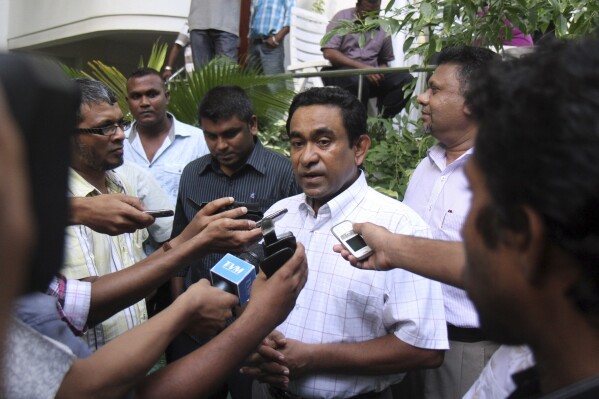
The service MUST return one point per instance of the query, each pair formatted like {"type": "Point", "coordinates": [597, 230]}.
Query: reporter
{"type": "Point", "coordinates": [439, 260]}
{"type": "Point", "coordinates": [111, 214]}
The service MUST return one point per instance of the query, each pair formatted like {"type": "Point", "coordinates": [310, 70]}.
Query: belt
{"type": "Point", "coordinates": [260, 39]}
{"type": "Point", "coordinates": [464, 334]}
{"type": "Point", "coordinates": [278, 393]}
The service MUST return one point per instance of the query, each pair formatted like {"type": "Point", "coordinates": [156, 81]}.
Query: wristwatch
{"type": "Point", "coordinates": [168, 68]}
{"type": "Point", "coordinates": [274, 40]}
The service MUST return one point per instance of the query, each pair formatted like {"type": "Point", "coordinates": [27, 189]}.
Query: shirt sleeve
{"type": "Point", "coordinates": [287, 16]}
{"type": "Point", "coordinates": [34, 365]}
{"type": "Point", "coordinates": [386, 55]}
{"type": "Point", "coordinates": [336, 40]}
{"type": "Point", "coordinates": [74, 299]}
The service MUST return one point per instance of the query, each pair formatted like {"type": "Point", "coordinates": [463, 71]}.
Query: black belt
{"type": "Point", "coordinates": [463, 334]}
{"type": "Point", "coordinates": [278, 393]}
{"type": "Point", "coordinates": [260, 39]}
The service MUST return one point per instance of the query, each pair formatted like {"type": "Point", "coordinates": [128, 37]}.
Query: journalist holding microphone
{"type": "Point", "coordinates": [41, 365]}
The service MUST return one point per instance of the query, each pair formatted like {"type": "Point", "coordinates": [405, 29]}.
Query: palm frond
{"type": "Point", "coordinates": [114, 79]}
{"type": "Point", "coordinates": [187, 94]}
{"type": "Point", "coordinates": [158, 55]}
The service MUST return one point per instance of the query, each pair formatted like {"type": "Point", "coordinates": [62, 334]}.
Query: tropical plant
{"type": "Point", "coordinates": [185, 95]}
{"type": "Point", "coordinates": [429, 25]}
{"type": "Point", "coordinates": [270, 104]}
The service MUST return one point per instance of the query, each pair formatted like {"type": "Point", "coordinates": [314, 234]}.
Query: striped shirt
{"type": "Point", "coordinates": [440, 194]}
{"type": "Point", "coordinates": [265, 178]}
{"type": "Point", "coordinates": [88, 253]}
{"type": "Point", "coordinates": [269, 17]}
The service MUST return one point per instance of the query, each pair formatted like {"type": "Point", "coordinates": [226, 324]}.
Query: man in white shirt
{"type": "Point", "coordinates": [157, 141]}
{"type": "Point", "coordinates": [439, 192]}
{"type": "Point", "coordinates": [352, 333]}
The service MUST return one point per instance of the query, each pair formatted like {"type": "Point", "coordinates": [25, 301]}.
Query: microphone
{"type": "Point", "coordinates": [234, 275]}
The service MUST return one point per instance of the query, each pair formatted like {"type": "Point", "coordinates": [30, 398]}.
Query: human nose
{"type": "Point", "coordinates": [144, 100]}
{"type": "Point", "coordinates": [119, 134]}
{"type": "Point", "coordinates": [221, 144]}
{"type": "Point", "coordinates": [424, 97]}
{"type": "Point", "coordinates": [309, 155]}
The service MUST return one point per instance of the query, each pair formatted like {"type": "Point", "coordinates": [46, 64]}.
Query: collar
{"type": "Point", "coordinates": [256, 160]}
{"type": "Point", "coordinates": [131, 133]}
{"type": "Point", "coordinates": [79, 187]}
{"type": "Point", "coordinates": [345, 200]}
{"type": "Point", "coordinates": [436, 154]}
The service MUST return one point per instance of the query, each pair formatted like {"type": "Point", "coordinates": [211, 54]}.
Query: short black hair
{"type": "Point", "coordinates": [469, 59]}
{"type": "Point", "coordinates": [93, 92]}
{"type": "Point", "coordinates": [538, 146]}
{"type": "Point", "coordinates": [224, 102]}
{"type": "Point", "coordinates": [353, 111]}
{"type": "Point", "coordinates": [144, 71]}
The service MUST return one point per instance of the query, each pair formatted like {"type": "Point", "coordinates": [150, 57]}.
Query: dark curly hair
{"type": "Point", "coordinates": [538, 146]}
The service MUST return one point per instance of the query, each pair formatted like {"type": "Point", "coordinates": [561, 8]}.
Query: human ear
{"type": "Point", "coordinates": [253, 125]}
{"type": "Point", "coordinates": [531, 244]}
{"type": "Point", "coordinates": [361, 148]}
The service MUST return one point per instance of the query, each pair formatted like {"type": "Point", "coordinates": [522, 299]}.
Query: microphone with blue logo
{"type": "Point", "coordinates": [235, 276]}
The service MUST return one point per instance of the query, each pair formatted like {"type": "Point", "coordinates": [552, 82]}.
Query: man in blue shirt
{"type": "Point", "coordinates": [157, 141]}
{"type": "Point", "coordinates": [268, 28]}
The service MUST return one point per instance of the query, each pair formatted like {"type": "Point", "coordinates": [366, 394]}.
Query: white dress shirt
{"type": "Point", "coordinates": [185, 143]}
{"type": "Point", "coordinates": [440, 194]}
{"type": "Point", "coordinates": [343, 304]}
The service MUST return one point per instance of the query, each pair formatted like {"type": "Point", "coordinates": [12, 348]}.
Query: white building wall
{"type": "Point", "coordinates": [35, 23]}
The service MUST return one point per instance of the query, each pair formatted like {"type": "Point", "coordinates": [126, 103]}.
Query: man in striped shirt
{"type": "Point", "coordinates": [269, 25]}
{"type": "Point", "coordinates": [238, 166]}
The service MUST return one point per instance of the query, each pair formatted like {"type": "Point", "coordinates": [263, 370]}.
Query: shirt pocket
{"type": "Point", "coordinates": [174, 168]}
{"type": "Point", "coordinates": [358, 309]}
{"type": "Point", "coordinates": [451, 226]}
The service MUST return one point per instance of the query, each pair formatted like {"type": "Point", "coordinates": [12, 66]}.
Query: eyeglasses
{"type": "Point", "coordinates": [108, 131]}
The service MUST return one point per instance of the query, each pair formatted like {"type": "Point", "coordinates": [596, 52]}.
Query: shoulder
{"type": "Point", "coordinates": [398, 215]}
{"type": "Point", "coordinates": [287, 203]}
{"type": "Point", "coordinates": [347, 13]}
{"type": "Point", "coordinates": [276, 157]}
{"type": "Point", "coordinates": [197, 165]}
{"type": "Point", "coordinates": [186, 129]}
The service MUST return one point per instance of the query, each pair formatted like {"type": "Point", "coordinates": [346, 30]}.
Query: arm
{"type": "Point", "coordinates": [292, 358]}
{"type": "Point", "coordinates": [435, 259]}
{"type": "Point", "coordinates": [277, 39]}
{"type": "Point", "coordinates": [199, 373]}
{"type": "Point", "coordinates": [118, 366]}
{"type": "Point", "coordinates": [337, 58]}
{"type": "Point", "coordinates": [172, 57]}
{"type": "Point", "coordinates": [207, 232]}
{"type": "Point", "coordinates": [111, 214]}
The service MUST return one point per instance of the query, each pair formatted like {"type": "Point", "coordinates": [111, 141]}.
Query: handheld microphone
{"type": "Point", "coordinates": [234, 275]}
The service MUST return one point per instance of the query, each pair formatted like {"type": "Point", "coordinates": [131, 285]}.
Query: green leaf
{"type": "Point", "coordinates": [426, 9]}
{"type": "Point", "coordinates": [361, 39]}
{"type": "Point", "coordinates": [408, 43]}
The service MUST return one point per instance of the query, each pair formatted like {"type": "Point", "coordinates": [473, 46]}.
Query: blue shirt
{"type": "Point", "coordinates": [184, 144]}
{"type": "Point", "coordinates": [269, 17]}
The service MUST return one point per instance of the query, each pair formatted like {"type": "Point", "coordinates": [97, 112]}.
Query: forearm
{"type": "Point", "coordinates": [201, 372]}
{"type": "Point", "coordinates": [384, 355]}
{"type": "Point", "coordinates": [280, 35]}
{"type": "Point", "coordinates": [116, 291]}
{"type": "Point", "coordinates": [172, 55]}
{"type": "Point", "coordinates": [435, 259]}
{"type": "Point", "coordinates": [79, 210]}
{"type": "Point", "coordinates": [337, 58]}
{"type": "Point", "coordinates": [117, 367]}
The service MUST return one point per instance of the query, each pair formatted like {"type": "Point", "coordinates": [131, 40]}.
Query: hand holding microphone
{"type": "Point", "coordinates": [235, 275]}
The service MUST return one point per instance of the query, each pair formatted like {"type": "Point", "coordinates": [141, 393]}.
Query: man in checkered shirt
{"type": "Point", "coordinates": [353, 333]}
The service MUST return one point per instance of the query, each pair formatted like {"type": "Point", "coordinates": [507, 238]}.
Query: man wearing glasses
{"type": "Point", "coordinates": [97, 148]}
